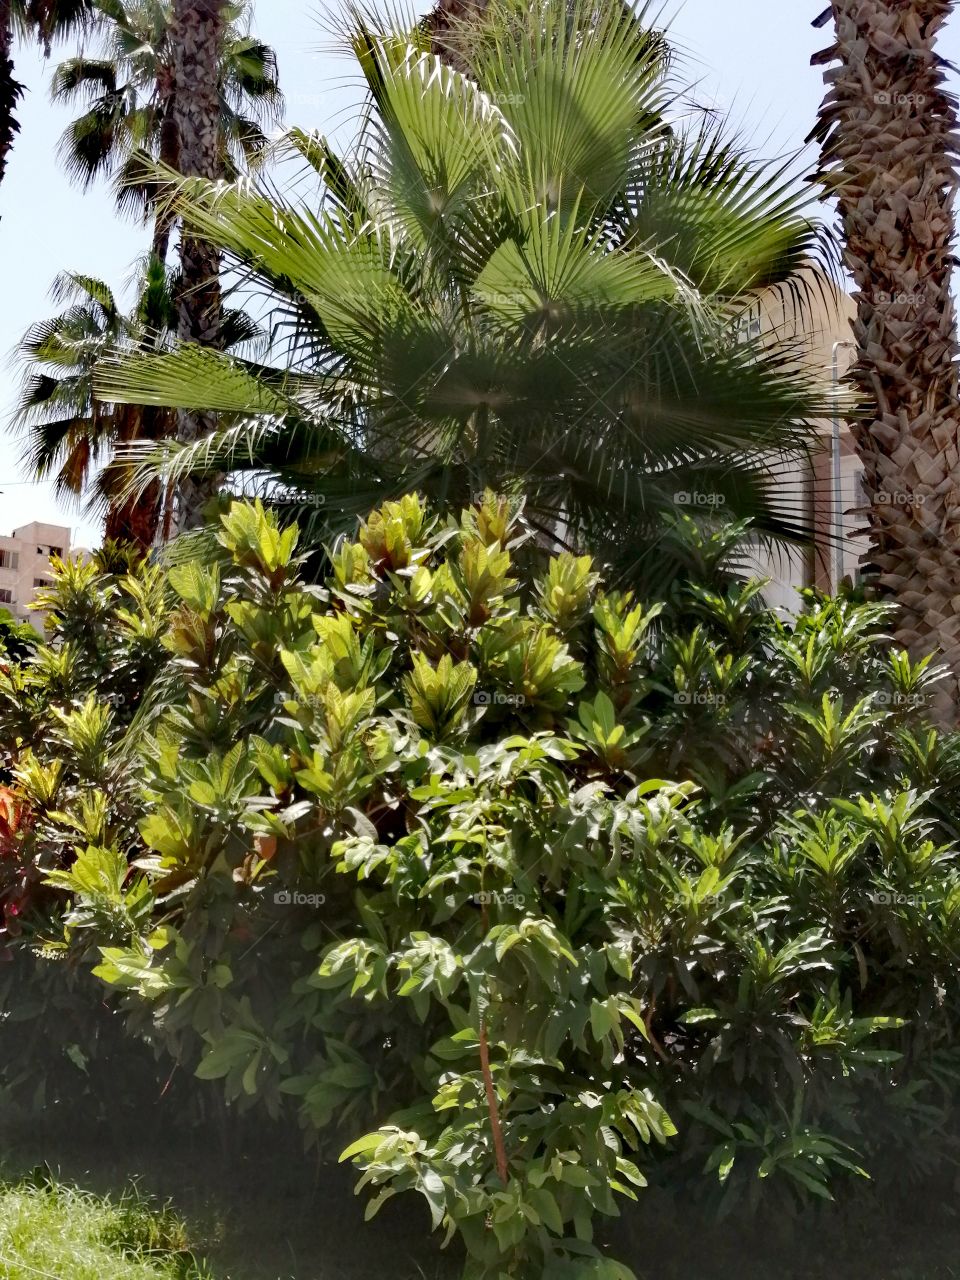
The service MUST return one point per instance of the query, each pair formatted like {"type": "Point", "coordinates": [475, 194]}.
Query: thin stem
{"type": "Point", "coordinates": [499, 1149]}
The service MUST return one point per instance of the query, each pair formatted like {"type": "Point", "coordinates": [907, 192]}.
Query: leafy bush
{"type": "Point", "coordinates": [66, 708]}
{"type": "Point", "coordinates": [530, 890]}
{"type": "Point", "coordinates": [16, 638]}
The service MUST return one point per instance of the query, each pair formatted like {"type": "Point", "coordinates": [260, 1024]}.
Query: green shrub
{"type": "Point", "coordinates": [526, 890]}
{"type": "Point", "coordinates": [17, 639]}
{"type": "Point", "coordinates": [66, 711]}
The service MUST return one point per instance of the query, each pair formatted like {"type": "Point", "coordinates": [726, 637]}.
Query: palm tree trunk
{"type": "Point", "coordinates": [196, 35]}
{"type": "Point", "coordinates": [137, 520]}
{"type": "Point", "coordinates": [164, 220]}
{"type": "Point", "coordinates": [446, 24]}
{"type": "Point", "coordinates": [10, 90]}
{"type": "Point", "coordinates": [888, 134]}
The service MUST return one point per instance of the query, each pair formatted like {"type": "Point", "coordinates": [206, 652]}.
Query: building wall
{"type": "Point", "coordinates": [25, 565]}
{"type": "Point", "coordinates": [811, 318]}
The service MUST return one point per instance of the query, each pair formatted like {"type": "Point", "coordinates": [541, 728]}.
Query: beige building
{"type": "Point", "coordinates": [828, 493]}
{"type": "Point", "coordinates": [25, 566]}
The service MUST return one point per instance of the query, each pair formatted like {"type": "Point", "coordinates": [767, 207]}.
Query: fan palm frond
{"type": "Point", "coordinates": [523, 275]}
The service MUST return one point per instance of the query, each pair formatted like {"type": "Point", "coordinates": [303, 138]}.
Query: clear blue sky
{"type": "Point", "coordinates": [751, 58]}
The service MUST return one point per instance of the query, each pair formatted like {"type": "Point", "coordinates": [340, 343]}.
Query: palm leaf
{"type": "Point", "coordinates": [464, 307]}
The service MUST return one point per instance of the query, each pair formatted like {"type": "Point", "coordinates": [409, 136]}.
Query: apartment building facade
{"type": "Point", "coordinates": [25, 566]}
{"type": "Point", "coordinates": [815, 322]}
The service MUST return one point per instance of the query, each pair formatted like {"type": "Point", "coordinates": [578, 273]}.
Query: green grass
{"type": "Point", "coordinates": [51, 1231]}
{"type": "Point", "coordinates": [276, 1214]}
{"type": "Point", "coordinates": [273, 1213]}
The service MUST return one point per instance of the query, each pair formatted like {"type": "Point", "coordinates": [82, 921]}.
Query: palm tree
{"type": "Point", "coordinates": [888, 131]}
{"type": "Point", "coordinates": [128, 92]}
{"type": "Point", "coordinates": [47, 20]}
{"type": "Point", "coordinates": [447, 23]}
{"type": "Point", "coordinates": [521, 278]}
{"type": "Point", "coordinates": [199, 31]}
{"type": "Point", "coordinates": [71, 433]}
{"type": "Point", "coordinates": [10, 88]}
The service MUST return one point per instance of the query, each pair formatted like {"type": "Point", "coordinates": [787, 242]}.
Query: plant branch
{"type": "Point", "coordinates": [500, 1150]}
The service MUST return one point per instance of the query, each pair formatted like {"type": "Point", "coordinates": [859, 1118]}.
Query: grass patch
{"type": "Point", "coordinates": [257, 1206]}
{"type": "Point", "coordinates": [53, 1231]}
{"type": "Point", "coordinates": [271, 1213]}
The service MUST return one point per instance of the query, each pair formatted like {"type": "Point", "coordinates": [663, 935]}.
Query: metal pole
{"type": "Point", "coordinates": [837, 478]}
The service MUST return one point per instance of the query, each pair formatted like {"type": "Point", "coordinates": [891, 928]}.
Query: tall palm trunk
{"type": "Point", "coordinates": [196, 36]}
{"type": "Point", "coordinates": [137, 520]}
{"type": "Point", "coordinates": [10, 90]}
{"type": "Point", "coordinates": [163, 219]}
{"type": "Point", "coordinates": [888, 134]}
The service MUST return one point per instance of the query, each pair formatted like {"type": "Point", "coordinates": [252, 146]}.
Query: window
{"type": "Point", "coordinates": [749, 328]}
{"type": "Point", "coordinates": [56, 551]}
{"type": "Point", "coordinates": [9, 559]}
{"type": "Point", "coordinates": [41, 582]}
{"type": "Point", "coordinates": [6, 595]}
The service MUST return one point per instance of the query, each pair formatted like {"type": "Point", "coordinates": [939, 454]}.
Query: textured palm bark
{"type": "Point", "coordinates": [196, 35]}
{"type": "Point", "coordinates": [163, 220]}
{"type": "Point", "coordinates": [137, 520]}
{"type": "Point", "coordinates": [10, 90]}
{"type": "Point", "coordinates": [887, 130]}
{"type": "Point", "coordinates": [445, 25]}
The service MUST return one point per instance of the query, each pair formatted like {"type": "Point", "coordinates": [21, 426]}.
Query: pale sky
{"type": "Point", "coordinates": [751, 59]}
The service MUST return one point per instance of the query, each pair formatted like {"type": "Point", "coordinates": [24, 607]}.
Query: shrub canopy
{"type": "Point", "coordinates": [523, 889]}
